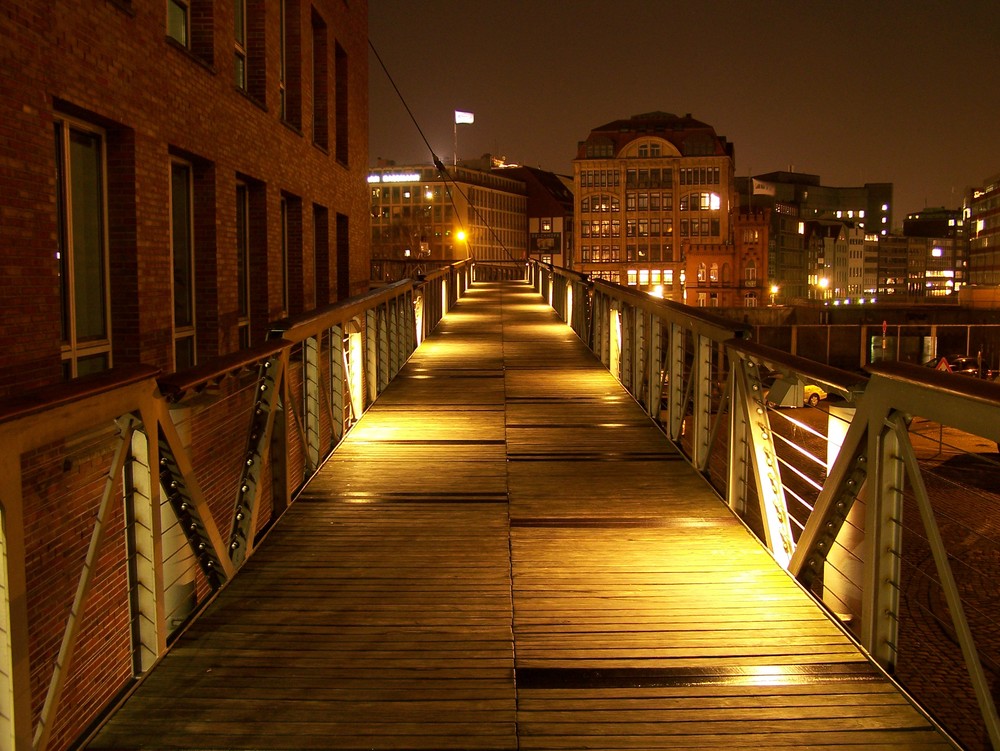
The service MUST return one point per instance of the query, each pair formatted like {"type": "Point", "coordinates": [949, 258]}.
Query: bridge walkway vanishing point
{"type": "Point", "coordinates": [505, 553]}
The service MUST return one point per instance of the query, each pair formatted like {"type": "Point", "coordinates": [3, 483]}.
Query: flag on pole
{"type": "Point", "coordinates": [464, 118]}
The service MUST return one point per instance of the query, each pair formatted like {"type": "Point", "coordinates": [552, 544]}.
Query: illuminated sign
{"type": "Point", "coordinates": [402, 177]}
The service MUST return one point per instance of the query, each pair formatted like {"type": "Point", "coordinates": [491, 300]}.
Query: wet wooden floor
{"type": "Point", "coordinates": [505, 554]}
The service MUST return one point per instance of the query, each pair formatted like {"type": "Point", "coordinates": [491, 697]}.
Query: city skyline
{"type": "Point", "coordinates": [895, 93]}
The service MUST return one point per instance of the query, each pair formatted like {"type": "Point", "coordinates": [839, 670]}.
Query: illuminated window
{"type": "Point", "coordinates": [632, 277]}
{"type": "Point", "coordinates": [643, 277]}
{"type": "Point", "coordinates": [937, 252]}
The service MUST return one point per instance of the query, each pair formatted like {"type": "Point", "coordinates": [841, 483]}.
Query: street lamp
{"type": "Point", "coordinates": [824, 284]}
{"type": "Point", "coordinates": [774, 291]}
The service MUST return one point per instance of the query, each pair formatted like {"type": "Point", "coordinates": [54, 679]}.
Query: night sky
{"type": "Point", "coordinates": [854, 91]}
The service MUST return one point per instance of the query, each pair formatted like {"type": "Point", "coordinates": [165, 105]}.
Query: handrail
{"type": "Point", "coordinates": [175, 386]}
{"type": "Point", "coordinates": [182, 505]}
{"type": "Point", "coordinates": [703, 380]}
{"type": "Point", "coordinates": [62, 394]}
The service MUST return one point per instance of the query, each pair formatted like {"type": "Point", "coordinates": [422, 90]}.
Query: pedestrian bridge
{"type": "Point", "coordinates": [504, 552]}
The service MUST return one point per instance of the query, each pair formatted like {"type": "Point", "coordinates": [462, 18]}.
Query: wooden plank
{"type": "Point", "coordinates": [506, 511]}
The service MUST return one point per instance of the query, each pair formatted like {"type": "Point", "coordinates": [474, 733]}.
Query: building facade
{"type": "Point", "coordinates": [142, 221]}
{"type": "Point", "coordinates": [982, 221]}
{"type": "Point", "coordinates": [549, 207]}
{"type": "Point", "coordinates": [796, 198]}
{"type": "Point", "coordinates": [650, 192]}
{"type": "Point", "coordinates": [416, 212]}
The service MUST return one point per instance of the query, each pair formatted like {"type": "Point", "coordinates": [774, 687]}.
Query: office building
{"type": "Point", "coordinates": [416, 212]}
{"type": "Point", "coordinates": [654, 203]}
{"type": "Point", "coordinates": [795, 198]}
{"type": "Point", "coordinates": [982, 221]}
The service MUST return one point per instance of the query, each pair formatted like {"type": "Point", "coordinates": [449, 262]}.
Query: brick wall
{"type": "Point", "coordinates": [111, 65]}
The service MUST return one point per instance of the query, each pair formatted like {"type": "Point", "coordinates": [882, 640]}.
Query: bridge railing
{"type": "Point", "coordinates": [129, 499]}
{"type": "Point", "coordinates": [882, 499]}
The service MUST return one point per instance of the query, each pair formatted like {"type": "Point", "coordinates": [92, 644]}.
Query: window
{"type": "Point", "coordinates": [243, 262]}
{"type": "Point", "coordinates": [341, 99]}
{"type": "Point", "coordinates": [320, 119]}
{"type": "Point", "coordinates": [240, 35]}
{"type": "Point", "coordinates": [343, 257]}
{"type": "Point", "coordinates": [283, 60]}
{"type": "Point", "coordinates": [284, 255]}
{"type": "Point", "coordinates": [321, 253]}
{"type": "Point", "coordinates": [182, 253]}
{"type": "Point", "coordinates": [179, 21]}
{"type": "Point", "coordinates": [290, 85]}
{"type": "Point", "coordinates": [82, 248]}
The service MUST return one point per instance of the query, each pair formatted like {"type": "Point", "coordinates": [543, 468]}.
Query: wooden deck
{"type": "Point", "coordinates": [505, 554]}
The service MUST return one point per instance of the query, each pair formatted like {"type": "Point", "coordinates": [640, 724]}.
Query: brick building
{"type": "Point", "coordinates": [174, 175]}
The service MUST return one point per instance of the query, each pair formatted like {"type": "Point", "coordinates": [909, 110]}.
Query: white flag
{"type": "Point", "coordinates": [762, 188]}
{"type": "Point", "coordinates": [466, 118]}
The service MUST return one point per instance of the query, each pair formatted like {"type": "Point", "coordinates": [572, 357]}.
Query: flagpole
{"type": "Point", "coordinates": [456, 140]}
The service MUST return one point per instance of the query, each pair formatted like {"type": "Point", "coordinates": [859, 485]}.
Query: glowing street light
{"type": "Point", "coordinates": [774, 291]}
{"type": "Point", "coordinates": [824, 284]}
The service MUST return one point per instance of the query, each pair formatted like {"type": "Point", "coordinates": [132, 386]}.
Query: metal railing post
{"type": "Point", "coordinates": [16, 730]}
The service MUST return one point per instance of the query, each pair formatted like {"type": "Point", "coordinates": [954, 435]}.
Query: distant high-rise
{"type": "Point", "coordinates": [982, 220]}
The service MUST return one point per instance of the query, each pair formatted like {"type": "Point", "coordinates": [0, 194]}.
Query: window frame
{"type": "Point", "coordinates": [241, 76]}
{"type": "Point", "coordinates": [185, 7]}
{"type": "Point", "coordinates": [242, 226]}
{"type": "Point", "coordinates": [72, 349]}
{"type": "Point", "coordinates": [187, 331]}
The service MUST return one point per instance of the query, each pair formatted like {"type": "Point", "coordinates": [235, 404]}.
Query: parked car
{"type": "Point", "coordinates": [780, 392]}
{"type": "Point", "coordinates": [812, 394]}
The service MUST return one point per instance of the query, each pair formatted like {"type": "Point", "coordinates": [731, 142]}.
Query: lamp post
{"type": "Point", "coordinates": [774, 291]}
